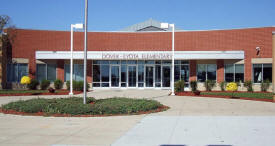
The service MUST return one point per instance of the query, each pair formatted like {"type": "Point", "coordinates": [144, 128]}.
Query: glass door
{"type": "Point", "coordinates": [149, 76]}
{"type": "Point", "coordinates": [115, 76]}
{"type": "Point", "coordinates": [166, 76]}
{"type": "Point", "coordinates": [132, 76]}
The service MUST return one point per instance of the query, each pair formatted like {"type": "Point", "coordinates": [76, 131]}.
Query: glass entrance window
{"type": "Point", "coordinates": [140, 75]}
{"type": "Point", "coordinates": [158, 76]}
{"type": "Point", "coordinates": [166, 75]}
{"type": "Point", "coordinates": [149, 74]}
{"type": "Point", "coordinates": [132, 77]}
{"type": "Point", "coordinates": [115, 76]}
{"type": "Point", "coordinates": [104, 69]}
{"type": "Point", "coordinates": [123, 76]}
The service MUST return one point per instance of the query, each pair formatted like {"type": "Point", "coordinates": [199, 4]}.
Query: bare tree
{"type": "Point", "coordinates": [4, 22]}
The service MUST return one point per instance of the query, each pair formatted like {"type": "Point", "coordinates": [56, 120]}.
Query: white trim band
{"type": "Point", "coordinates": [141, 55]}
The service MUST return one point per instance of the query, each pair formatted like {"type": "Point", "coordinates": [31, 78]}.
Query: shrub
{"type": "Point", "coordinates": [29, 106]}
{"type": "Point", "coordinates": [77, 85]}
{"type": "Point", "coordinates": [179, 86]}
{"type": "Point", "coordinates": [209, 84]}
{"type": "Point", "coordinates": [232, 86]}
{"type": "Point", "coordinates": [265, 85]}
{"type": "Point", "coordinates": [45, 84]}
{"type": "Point", "coordinates": [194, 85]}
{"type": "Point", "coordinates": [123, 106]}
{"type": "Point", "coordinates": [248, 85]}
{"type": "Point", "coordinates": [75, 106]}
{"type": "Point", "coordinates": [222, 85]}
{"type": "Point", "coordinates": [58, 84]}
{"type": "Point", "coordinates": [33, 85]}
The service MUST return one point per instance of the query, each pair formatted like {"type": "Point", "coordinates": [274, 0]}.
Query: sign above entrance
{"type": "Point", "coordinates": [136, 56]}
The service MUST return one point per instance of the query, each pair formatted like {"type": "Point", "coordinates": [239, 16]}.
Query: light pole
{"type": "Point", "coordinates": [76, 26]}
{"type": "Point", "coordinates": [85, 52]}
{"type": "Point", "coordinates": [166, 26]}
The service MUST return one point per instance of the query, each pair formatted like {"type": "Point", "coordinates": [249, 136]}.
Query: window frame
{"type": "Point", "coordinates": [262, 69]}
{"type": "Point", "coordinates": [234, 71]}
{"type": "Point", "coordinates": [47, 71]}
{"type": "Point", "coordinates": [17, 66]}
{"type": "Point", "coordinates": [206, 70]}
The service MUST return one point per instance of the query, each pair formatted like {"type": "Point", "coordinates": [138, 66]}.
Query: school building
{"type": "Point", "coordinates": [140, 56]}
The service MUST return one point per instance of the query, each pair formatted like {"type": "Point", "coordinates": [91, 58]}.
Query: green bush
{"type": "Point", "coordinates": [194, 86]}
{"type": "Point", "coordinates": [248, 85]}
{"type": "Point", "coordinates": [77, 85]}
{"type": "Point", "coordinates": [45, 84]}
{"type": "Point", "coordinates": [123, 106]}
{"type": "Point", "coordinates": [75, 106]}
{"type": "Point", "coordinates": [58, 84]}
{"type": "Point", "coordinates": [265, 85]}
{"type": "Point", "coordinates": [223, 85]}
{"type": "Point", "coordinates": [33, 85]}
{"type": "Point", "coordinates": [209, 84]}
{"type": "Point", "coordinates": [29, 106]}
{"type": "Point", "coordinates": [179, 86]}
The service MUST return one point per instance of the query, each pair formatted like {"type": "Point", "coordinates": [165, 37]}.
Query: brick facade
{"type": "Point", "coordinates": [27, 42]}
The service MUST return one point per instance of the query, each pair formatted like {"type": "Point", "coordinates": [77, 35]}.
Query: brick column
{"type": "Point", "coordinates": [89, 71]}
{"type": "Point", "coordinates": [60, 70]}
{"type": "Point", "coordinates": [193, 70]}
{"type": "Point", "coordinates": [32, 66]}
{"type": "Point", "coordinates": [220, 70]}
{"type": "Point", "coordinates": [247, 68]}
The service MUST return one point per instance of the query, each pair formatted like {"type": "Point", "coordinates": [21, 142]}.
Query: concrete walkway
{"type": "Point", "coordinates": [189, 120]}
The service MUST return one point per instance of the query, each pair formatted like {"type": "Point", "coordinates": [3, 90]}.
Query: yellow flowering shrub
{"type": "Point", "coordinates": [25, 80]}
{"type": "Point", "coordinates": [232, 86]}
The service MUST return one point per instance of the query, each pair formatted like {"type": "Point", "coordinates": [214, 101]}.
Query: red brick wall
{"type": "Point", "coordinates": [60, 70]}
{"type": "Point", "coordinates": [220, 70]}
{"type": "Point", "coordinates": [193, 70]}
{"type": "Point", "coordinates": [27, 42]}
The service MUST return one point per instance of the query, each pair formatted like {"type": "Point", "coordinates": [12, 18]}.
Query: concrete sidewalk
{"type": "Point", "coordinates": [201, 131]}
{"type": "Point", "coordinates": [32, 130]}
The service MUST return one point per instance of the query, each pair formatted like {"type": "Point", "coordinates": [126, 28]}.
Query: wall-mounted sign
{"type": "Point", "coordinates": [137, 56]}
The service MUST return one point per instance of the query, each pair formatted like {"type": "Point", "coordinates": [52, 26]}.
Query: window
{"type": "Point", "coordinates": [78, 73]}
{"type": "Point", "coordinates": [262, 72]}
{"type": "Point", "coordinates": [46, 72]}
{"type": "Point", "coordinates": [206, 72]}
{"type": "Point", "coordinates": [234, 72]}
{"type": "Point", "coordinates": [16, 71]}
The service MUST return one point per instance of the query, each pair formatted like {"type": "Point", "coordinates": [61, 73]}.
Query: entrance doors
{"type": "Point", "coordinates": [149, 76]}
{"type": "Point", "coordinates": [115, 76]}
{"type": "Point", "coordinates": [166, 76]}
{"type": "Point", "coordinates": [132, 76]}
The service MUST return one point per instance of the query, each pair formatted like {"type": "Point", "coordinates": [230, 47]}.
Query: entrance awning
{"type": "Point", "coordinates": [141, 55]}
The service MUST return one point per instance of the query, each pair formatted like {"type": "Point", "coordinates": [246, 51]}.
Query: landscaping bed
{"type": "Point", "coordinates": [257, 96]}
{"type": "Point", "coordinates": [74, 107]}
{"type": "Point", "coordinates": [34, 92]}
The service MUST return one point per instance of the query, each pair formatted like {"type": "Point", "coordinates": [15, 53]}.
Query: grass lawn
{"type": "Point", "coordinates": [27, 91]}
{"type": "Point", "coordinates": [242, 94]}
{"type": "Point", "coordinates": [22, 91]}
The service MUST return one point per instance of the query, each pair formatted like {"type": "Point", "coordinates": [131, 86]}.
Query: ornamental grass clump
{"type": "Point", "coordinates": [179, 86]}
{"type": "Point", "coordinates": [232, 86]}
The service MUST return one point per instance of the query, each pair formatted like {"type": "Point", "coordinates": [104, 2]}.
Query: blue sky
{"type": "Point", "coordinates": [113, 15]}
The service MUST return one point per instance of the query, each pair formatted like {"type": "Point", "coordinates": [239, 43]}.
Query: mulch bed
{"type": "Point", "coordinates": [186, 93]}
{"type": "Point", "coordinates": [59, 92]}
{"type": "Point", "coordinates": [160, 109]}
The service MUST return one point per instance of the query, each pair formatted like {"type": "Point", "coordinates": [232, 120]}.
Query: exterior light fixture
{"type": "Point", "coordinates": [73, 26]}
{"type": "Point", "coordinates": [166, 26]}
